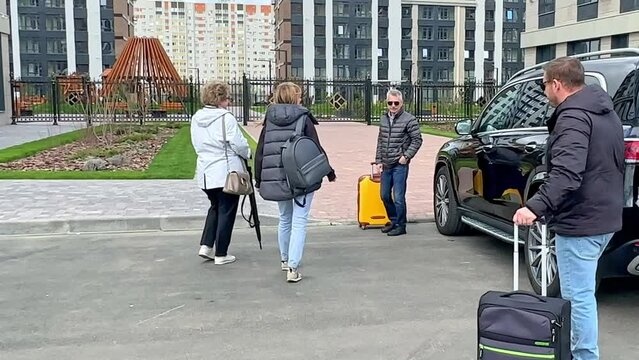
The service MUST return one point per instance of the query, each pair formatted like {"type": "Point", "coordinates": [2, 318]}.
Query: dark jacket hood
{"type": "Point", "coordinates": [286, 114]}
{"type": "Point", "coordinates": [592, 99]}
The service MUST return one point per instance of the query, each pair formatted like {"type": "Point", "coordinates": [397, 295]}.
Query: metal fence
{"type": "Point", "coordinates": [78, 99]}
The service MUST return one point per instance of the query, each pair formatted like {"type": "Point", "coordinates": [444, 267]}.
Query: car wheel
{"type": "Point", "coordinates": [533, 261]}
{"type": "Point", "coordinates": [447, 215]}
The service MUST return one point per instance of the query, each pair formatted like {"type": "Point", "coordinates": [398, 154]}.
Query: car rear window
{"type": "Point", "coordinates": [625, 99]}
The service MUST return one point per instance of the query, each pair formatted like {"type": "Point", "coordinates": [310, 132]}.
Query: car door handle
{"type": "Point", "coordinates": [530, 147]}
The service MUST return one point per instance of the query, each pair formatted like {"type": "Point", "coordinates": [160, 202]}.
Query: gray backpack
{"type": "Point", "coordinates": [305, 164]}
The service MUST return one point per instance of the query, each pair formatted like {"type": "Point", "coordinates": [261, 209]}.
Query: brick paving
{"type": "Point", "coordinates": [351, 148]}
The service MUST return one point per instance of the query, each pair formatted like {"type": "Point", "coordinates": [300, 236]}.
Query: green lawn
{"type": "Point", "coordinates": [176, 159]}
{"type": "Point", "coordinates": [438, 132]}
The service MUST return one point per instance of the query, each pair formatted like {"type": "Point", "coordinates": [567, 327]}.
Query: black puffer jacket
{"type": "Point", "coordinates": [402, 138]}
{"type": "Point", "coordinates": [583, 195]}
{"type": "Point", "coordinates": [280, 123]}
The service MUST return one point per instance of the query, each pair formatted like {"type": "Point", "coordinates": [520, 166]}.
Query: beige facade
{"type": "Point", "coordinates": [123, 17]}
{"type": "Point", "coordinates": [610, 24]}
{"type": "Point", "coordinates": [212, 40]}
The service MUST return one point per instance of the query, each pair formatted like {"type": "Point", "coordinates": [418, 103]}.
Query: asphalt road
{"type": "Point", "coordinates": [364, 296]}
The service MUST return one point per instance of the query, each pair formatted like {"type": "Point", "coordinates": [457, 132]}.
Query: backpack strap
{"type": "Point", "coordinates": [299, 127]}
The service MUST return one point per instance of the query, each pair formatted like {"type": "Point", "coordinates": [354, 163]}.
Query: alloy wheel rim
{"type": "Point", "coordinates": [534, 254]}
{"type": "Point", "coordinates": [442, 200]}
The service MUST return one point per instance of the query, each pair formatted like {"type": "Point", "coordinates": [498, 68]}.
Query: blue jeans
{"type": "Point", "coordinates": [394, 180]}
{"type": "Point", "coordinates": [577, 259]}
{"type": "Point", "coordinates": [291, 232]}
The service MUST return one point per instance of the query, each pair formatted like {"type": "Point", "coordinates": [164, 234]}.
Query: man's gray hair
{"type": "Point", "coordinates": [395, 92]}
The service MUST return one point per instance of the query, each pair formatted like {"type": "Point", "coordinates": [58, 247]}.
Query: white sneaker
{"type": "Point", "coordinates": [284, 265]}
{"type": "Point", "coordinates": [221, 260]}
{"type": "Point", "coordinates": [206, 252]}
{"type": "Point", "coordinates": [293, 275]}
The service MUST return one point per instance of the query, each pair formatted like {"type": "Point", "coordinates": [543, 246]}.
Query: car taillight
{"type": "Point", "coordinates": [632, 151]}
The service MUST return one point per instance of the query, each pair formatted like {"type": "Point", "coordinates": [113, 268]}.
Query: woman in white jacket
{"type": "Point", "coordinates": [215, 159]}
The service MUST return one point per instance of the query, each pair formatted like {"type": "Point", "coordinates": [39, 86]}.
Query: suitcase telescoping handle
{"type": "Point", "coordinates": [544, 262]}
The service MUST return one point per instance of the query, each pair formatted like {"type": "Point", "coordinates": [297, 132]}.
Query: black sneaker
{"type": "Point", "coordinates": [388, 228]}
{"type": "Point", "coordinates": [397, 231]}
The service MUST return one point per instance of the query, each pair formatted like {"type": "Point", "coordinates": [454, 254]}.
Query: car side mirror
{"type": "Point", "coordinates": [463, 127]}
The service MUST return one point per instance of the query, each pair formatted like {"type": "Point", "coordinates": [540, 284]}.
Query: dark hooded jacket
{"type": "Point", "coordinates": [279, 126]}
{"type": "Point", "coordinates": [583, 194]}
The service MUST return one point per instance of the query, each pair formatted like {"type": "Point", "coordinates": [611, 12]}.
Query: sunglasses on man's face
{"type": "Point", "coordinates": [393, 103]}
{"type": "Point", "coordinates": [542, 84]}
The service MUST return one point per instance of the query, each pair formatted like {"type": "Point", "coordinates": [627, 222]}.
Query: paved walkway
{"type": "Point", "coordinates": [11, 135]}
{"type": "Point", "coordinates": [107, 205]}
{"type": "Point", "coordinates": [351, 149]}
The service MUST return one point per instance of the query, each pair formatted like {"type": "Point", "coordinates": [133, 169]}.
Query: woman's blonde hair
{"type": "Point", "coordinates": [215, 92]}
{"type": "Point", "coordinates": [287, 93]}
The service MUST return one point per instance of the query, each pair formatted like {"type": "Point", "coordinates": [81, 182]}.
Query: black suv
{"type": "Point", "coordinates": [498, 162]}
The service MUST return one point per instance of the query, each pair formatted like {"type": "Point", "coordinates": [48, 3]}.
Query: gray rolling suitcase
{"type": "Point", "coordinates": [520, 324]}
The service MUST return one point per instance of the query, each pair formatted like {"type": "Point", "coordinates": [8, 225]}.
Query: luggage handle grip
{"type": "Point", "coordinates": [524, 294]}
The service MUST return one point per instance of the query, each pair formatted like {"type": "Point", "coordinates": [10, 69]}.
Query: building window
{"type": "Point", "coordinates": [297, 73]}
{"type": "Point", "coordinates": [511, 55]}
{"type": "Point", "coordinates": [29, 46]}
{"type": "Point", "coordinates": [629, 5]}
{"type": "Point", "coordinates": [56, 46]}
{"type": "Point", "coordinates": [82, 47]}
{"type": "Point", "coordinates": [581, 47]}
{"type": "Point", "coordinates": [32, 69]}
{"type": "Point", "coordinates": [406, 33]}
{"type": "Point", "coordinates": [339, 9]}
{"type": "Point", "coordinates": [546, 13]}
{"type": "Point", "coordinates": [469, 54]}
{"type": "Point", "coordinates": [107, 48]}
{"type": "Point", "coordinates": [320, 30]}
{"type": "Point", "coordinates": [427, 33]}
{"type": "Point", "coordinates": [297, 30]}
{"type": "Point", "coordinates": [490, 15]}
{"type": "Point", "coordinates": [427, 54]}
{"type": "Point", "coordinates": [297, 51]}
{"type": "Point", "coordinates": [29, 3]}
{"type": "Point", "coordinates": [445, 75]}
{"type": "Point", "coordinates": [511, 36]}
{"type": "Point", "coordinates": [80, 24]}
{"type": "Point", "coordinates": [382, 11]}
{"type": "Point", "coordinates": [363, 31]}
{"type": "Point", "coordinates": [406, 12]}
{"type": "Point", "coordinates": [29, 22]}
{"type": "Point", "coordinates": [107, 26]}
{"type": "Point", "coordinates": [54, 3]}
{"type": "Point", "coordinates": [490, 35]}
{"type": "Point", "coordinates": [426, 12]}
{"type": "Point", "coordinates": [407, 54]}
{"type": "Point", "coordinates": [341, 31]}
{"type": "Point", "coordinates": [362, 52]}
{"type": "Point", "coordinates": [445, 54]}
{"type": "Point", "coordinates": [587, 9]}
{"type": "Point", "coordinates": [341, 71]}
{"type": "Point", "coordinates": [470, 35]}
{"type": "Point", "coordinates": [445, 33]}
{"type": "Point", "coordinates": [341, 51]}
{"type": "Point", "coordinates": [619, 41]}
{"type": "Point", "coordinates": [383, 33]}
{"type": "Point", "coordinates": [545, 53]}
{"type": "Point", "coordinates": [511, 15]}
{"type": "Point", "coordinates": [445, 13]}
{"type": "Point", "coordinates": [427, 74]}
{"type": "Point", "coordinates": [362, 73]}
{"type": "Point", "coordinates": [320, 52]}
{"type": "Point", "coordinates": [57, 67]}
{"type": "Point", "coordinates": [81, 4]}
{"type": "Point", "coordinates": [470, 14]}
{"type": "Point", "coordinates": [319, 11]}
{"type": "Point", "coordinates": [320, 73]}
{"type": "Point", "coordinates": [362, 10]}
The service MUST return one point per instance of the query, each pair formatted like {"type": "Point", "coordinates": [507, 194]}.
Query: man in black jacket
{"type": "Point", "coordinates": [397, 143]}
{"type": "Point", "coordinates": [583, 195]}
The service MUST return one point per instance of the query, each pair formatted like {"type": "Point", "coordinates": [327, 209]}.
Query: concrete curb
{"type": "Point", "coordinates": [134, 224]}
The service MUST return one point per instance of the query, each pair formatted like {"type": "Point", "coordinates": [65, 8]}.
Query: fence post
{"type": "Point", "coordinates": [14, 101]}
{"type": "Point", "coordinates": [368, 101]}
{"type": "Point", "coordinates": [55, 107]}
{"type": "Point", "coordinates": [191, 96]}
{"type": "Point", "coordinates": [246, 100]}
{"type": "Point", "coordinates": [87, 101]}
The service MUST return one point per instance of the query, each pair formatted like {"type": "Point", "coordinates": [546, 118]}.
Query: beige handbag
{"type": "Point", "coordinates": [237, 182]}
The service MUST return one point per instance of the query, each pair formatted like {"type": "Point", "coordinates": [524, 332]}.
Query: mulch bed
{"type": "Point", "coordinates": [137, 154]}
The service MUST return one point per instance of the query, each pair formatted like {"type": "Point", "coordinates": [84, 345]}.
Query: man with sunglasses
{"type": "Point", "coordinates": [397, 143]}
{"type": "Point", "coordinates": [582, 196]}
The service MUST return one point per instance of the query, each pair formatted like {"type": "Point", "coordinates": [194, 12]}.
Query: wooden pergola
{"type": "Point", "coordinates": [142, 65]}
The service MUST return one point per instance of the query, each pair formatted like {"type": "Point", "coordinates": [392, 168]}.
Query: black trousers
{"type": "Point", "coordinates": [220, 220]}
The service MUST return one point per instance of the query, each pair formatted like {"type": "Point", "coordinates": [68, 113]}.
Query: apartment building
{"type": "Point", "coordinates": [123, 23]}
{"type": "Point", "coordinates": [211, 39]}
{"type": "Point", "coordinates": [558, 28]}
{"type": "Point", "coordinates": [5, 96]}
{"type": "Point", "coordinates": [50, 37]}
{"type": "Point", "coordinates": [399, 40]}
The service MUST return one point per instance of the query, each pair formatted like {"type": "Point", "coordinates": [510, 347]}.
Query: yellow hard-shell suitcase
{"type": "Point", "coordinates": [370, 208]}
